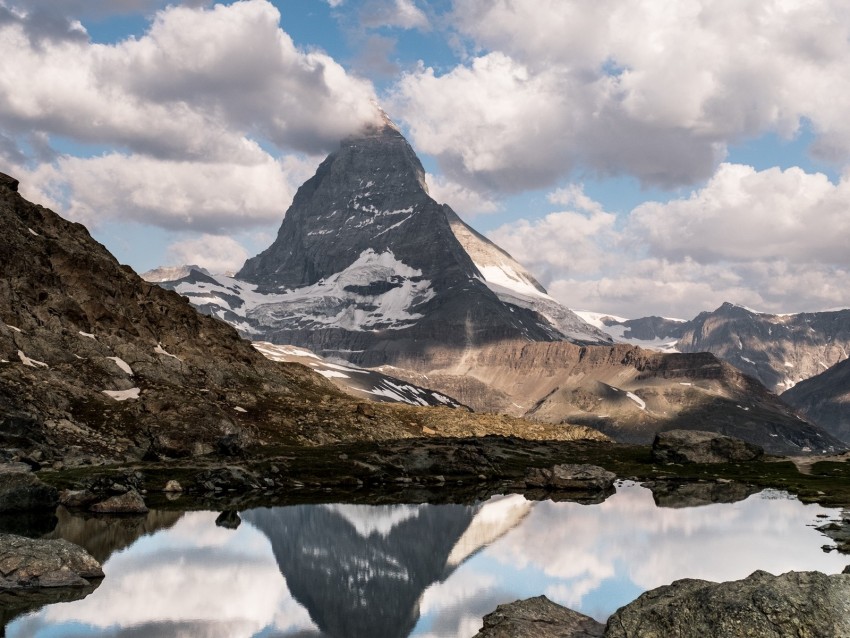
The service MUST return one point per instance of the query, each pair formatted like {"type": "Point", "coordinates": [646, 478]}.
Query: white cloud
{"type": "Point", "coordinates": [652, 89]}
{"type": "Point", "coordinates": [463, 200]}
{"type": "Point", "coordinates": [180, 195]}
{"type": "Point", "coordinates": [773, 240]}
{"type": "Point", "coordinates": [745, 215]}
{"type": "Point", "coordinates": [197, 85]}
{"type": "Point", "coordinates": [216, 253]}
{"type": "Point", "coordinates": [403, 14]}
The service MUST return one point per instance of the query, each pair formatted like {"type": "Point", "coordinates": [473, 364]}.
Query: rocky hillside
{"type": "Point", "coordinates": [97, 364]}
{"type": "Point", "coordinates": [825, 399]}
{"type": "Point", "coordinates": [625, 391]}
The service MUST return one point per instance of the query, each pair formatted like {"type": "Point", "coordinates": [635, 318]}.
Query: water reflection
{"type": "Point", "coordinates": [424, 570]}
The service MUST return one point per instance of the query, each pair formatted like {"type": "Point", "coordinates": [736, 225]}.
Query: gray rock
{"type": "Point", "coordinates": [696, 446]}
{"type": "Point", "coordinates": [538, 618]}
{"type": "Point", "coordinates": [77, 498]}
{"type": "Point", "coordinates": [567, 477]}
{"type": "Point", "coordinates": [28, 563]}
{"type": "Point", "coordinates": [128, 503]}
{"type": "Point", "coordinates": [788, 606]}
{"type": "Point", "coordinates": [21, 490]}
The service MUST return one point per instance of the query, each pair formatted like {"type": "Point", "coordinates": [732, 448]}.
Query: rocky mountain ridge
{"type": "Point", "coordinates": [778, 350]}
{"type": "Point", "coordinates": [782, 351]}
{"type": "Point", "coordinates": [622, 390]}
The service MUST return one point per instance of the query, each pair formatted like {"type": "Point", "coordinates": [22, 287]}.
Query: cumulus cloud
{"type": "Point", "coordinates": [403, 14]}
{"type": "Point", "coordinates": [463, 200]}
{"type": "Point", "coordinates": [197, 85]}
{"type": "Point", "coordinates": [179, 195]}
{"type": "Point", "coordinates": [654, 90]}
{"type": "Point", "coordinates": [773, 240]}
{"type": "Point", "coordinates": [216, 253]}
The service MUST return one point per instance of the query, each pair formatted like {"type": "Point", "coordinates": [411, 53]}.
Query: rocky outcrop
{"type": "Point", "coordinates": [763, 605]}
{"type": "Point", "coordinates": [792, 605]}
{"type": "Point", "coordinates": [695, 446]}
{"type": "Point", "coordinates": [825, 399]}
{"type": "Point", "coordinates": [538, 618]}
{"type": "Point", "coordinates": [21, 490]}
{"type": "Point", "coordinates": [35, 573]}
{"type": "Point", "coordinates": [29, 564]}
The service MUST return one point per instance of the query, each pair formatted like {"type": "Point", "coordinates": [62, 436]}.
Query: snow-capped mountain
{"type": "Point", "coordinates": [368, 267]}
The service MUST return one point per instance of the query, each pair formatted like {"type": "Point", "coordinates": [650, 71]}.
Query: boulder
{"type": "Point", "coordinates": [568, 477]}
{"type": "Point", "coordinates": [538, 618]}
{"type": "Point", "coordinates": [173, 486]}
{"type": "Point", "coordinates": [28, 563]}
{"type": "Point", "coordinates": [77, 498]}
{"type": "Point", "coordinates": [21, 490]}
{"type": "Point", "coordinates": [130, 502]}
{"type": "Point", "coordinates": [696, 446]}
{"type": "Point", "coordinates": [787, 606]}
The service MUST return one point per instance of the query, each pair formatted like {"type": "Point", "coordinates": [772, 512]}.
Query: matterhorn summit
{"type": "Point", "coordinates": [368, 267]}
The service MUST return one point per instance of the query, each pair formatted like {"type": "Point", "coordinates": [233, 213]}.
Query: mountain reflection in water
{"type": "Point", "coordinates": [424, 570]}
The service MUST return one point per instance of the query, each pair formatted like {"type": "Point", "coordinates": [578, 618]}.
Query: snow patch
{"type": "Point", "coordinates": [87, 335]}
{"type": "Point", "coordinates": [595, 318]}
{"type": "Point", "coordinates": [123, 395]}
{"type": "Point", "coordinates": [32, 363]}
{"type": "Point", "coordinates": [240, 409]}
{"type": "Point", "coordinates": [160, 350]}
{"type": "Point", "coordinates": [13, 328]}
{"type": "Point", "coordinates": [375, 519]}
{"type": "Point", "coordinates": [32, 232]}
{"type": "Point", "coordinates": [122, 364]}
{"type": "Point", "coordinates": [343, 301]}
{"type": "Point", "coordinates": [281, 353]}
{"type": "Point", "coordinates": [640, 402]}
{"type": "Point", "coordinates": [330, 374]}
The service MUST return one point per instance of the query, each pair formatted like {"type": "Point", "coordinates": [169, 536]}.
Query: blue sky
{"type": "Point", "coordinates": [649, 157]}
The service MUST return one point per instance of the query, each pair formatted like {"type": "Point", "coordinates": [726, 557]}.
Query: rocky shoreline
{"type": "Point", "coordinates": [785, 606]}
{"type": "Point", "coordinates": [114, 499]}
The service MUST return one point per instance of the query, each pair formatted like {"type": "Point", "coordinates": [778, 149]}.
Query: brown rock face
{"type": "Point", "coordinates": [694, 446]}
{"type": "Point", "coordinates": [538, 618]}
{"type": "Point", "coordinates": [623, 391]}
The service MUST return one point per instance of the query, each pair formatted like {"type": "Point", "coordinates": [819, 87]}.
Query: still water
{"type": "Point", "coordinates": [415, 570]}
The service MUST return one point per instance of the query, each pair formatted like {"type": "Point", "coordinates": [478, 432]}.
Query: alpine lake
{"type": "Point", "coordinates": [428, 561]}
